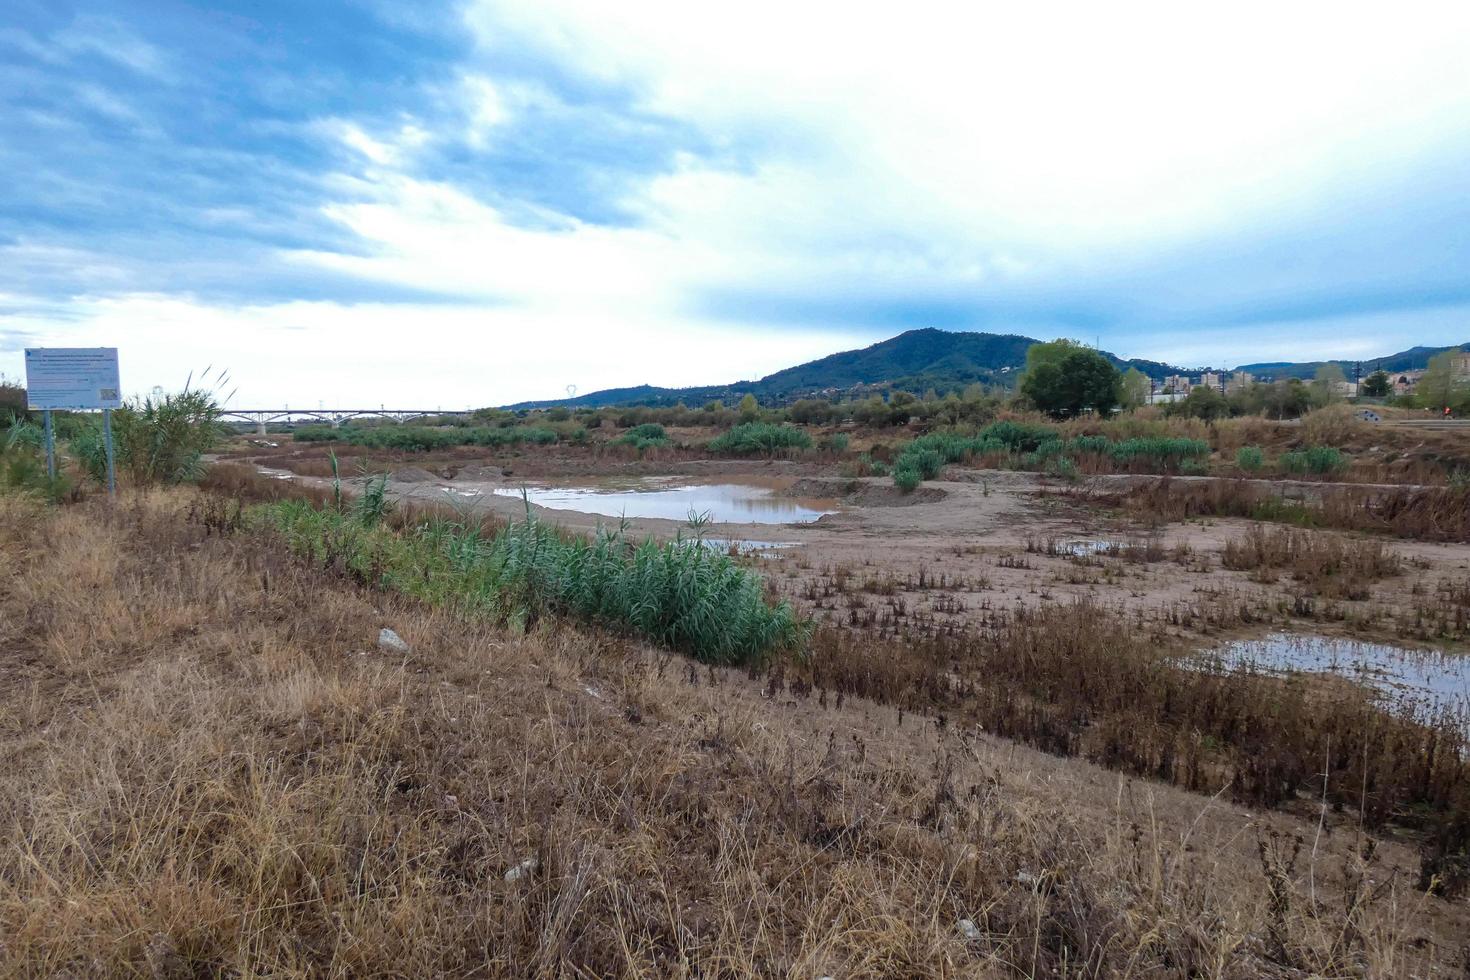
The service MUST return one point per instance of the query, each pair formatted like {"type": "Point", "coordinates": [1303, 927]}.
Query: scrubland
{"type": "Point", "coordinates": [961, 728]}
{"type": "Point", "coordinates": [211, 769]}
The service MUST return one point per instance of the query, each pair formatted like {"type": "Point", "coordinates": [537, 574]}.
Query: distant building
{"type": "Point", "coordinates": [1176, 383]}
{"type": "Point", "coordinates": [1460, 364]}
{"type": "Point", "coordinates": [1240, 379]}
{"type": "Point", "coordinates": [1404, 382]}
{"type": "Point", "coordinates": [1211, 379]}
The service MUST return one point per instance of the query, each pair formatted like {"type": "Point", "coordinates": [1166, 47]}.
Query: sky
{"type": "Point", "coordinates": [453, 205]}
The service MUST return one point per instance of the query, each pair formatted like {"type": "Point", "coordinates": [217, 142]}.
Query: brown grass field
{"type": "Point", "coordinates": [211, 770]}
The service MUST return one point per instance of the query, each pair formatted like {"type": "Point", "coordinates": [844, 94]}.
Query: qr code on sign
{"type": "Point", "coordinates": [107, 394]}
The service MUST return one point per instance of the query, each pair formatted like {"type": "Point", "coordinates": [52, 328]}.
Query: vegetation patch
{"type": "Point", "coordinates": [419, 438]}
{"type": "Point", "coordinates": [681, 595]}
{"type": "Point", "coordinates": [759, 438]}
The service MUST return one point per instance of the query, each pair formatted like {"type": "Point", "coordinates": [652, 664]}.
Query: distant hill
{"type": "Point", "coordinates": [1413, 359]}
{"type": "Point", "coordinates": [913, 361]}
{"type": "Point", "coordinates": [918, 360]}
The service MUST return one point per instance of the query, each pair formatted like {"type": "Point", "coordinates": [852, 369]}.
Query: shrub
{"type": "Point", "coordinates": [644, 436]}
{"type": "Point", "coordinates": [1250, 458]}
{"type": "Point", "coordinates": [1062, 467]}
{"type": "Point", "coordinates": [23, 468]}
{"type": "Point", "coordinates": [907, 478]}
{"type": "Point", "coordinates": [836, 443]}
{"type": "Point", "coordinates": [1319, 460]}
{"type": "Point", "coordinates": [750, 438]}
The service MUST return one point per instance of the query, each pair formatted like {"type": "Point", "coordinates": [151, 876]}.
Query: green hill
{"type": "Point", "coordinates": [914, 361]}
{"type": "Point", "coordinates": [918, 360]}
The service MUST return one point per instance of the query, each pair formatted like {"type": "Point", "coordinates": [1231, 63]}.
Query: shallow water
{"type": "Point", "coordinates": [1428, 680]}
{"type": "Point", "coordinates": [725, 503]}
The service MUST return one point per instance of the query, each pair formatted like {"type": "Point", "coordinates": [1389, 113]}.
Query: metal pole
{"type": "Point", "coordinates": [107, 441]}
{"type": "Point", "coordinates": [50, 446]}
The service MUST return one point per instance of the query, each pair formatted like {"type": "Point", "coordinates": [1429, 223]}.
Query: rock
{"type": "Point", "coordinates": [523, 870]}
{"type": "Point", "coordinates": [391, 642]}
{"type": "Point", "coordinates": [969, 930]}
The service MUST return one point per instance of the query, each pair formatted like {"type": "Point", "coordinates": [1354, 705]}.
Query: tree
{"type": "Point", "coordinates": [1136, 388]}
{"type": "Point", "coordinates": [1327, 387]}
{"type": "Point", "coordinates": [1438, 386]}
{"type": "Point", "coordinates": [1065, 379]}
{"type": "Point", "coordinates": [1377, 385]}
{"type": "Point", "coordinates": [1203, 402]}
{"type": "Point", "coordinates": [749, 408]}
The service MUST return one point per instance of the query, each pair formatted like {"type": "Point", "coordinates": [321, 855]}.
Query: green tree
{"type": "Point", "coordinates": [1203, 402]}
{"type": "Point", "coordinates": [1377, 385]}
{"type": "Point", "coordinates": [1065, 379]}
{"type": "Point", "coordinates": [1439, 386]}
{"type": "Point", "coordinates": [1327, 387]}
{"type": "Point", "coordinates": [749, 408]}
{"type": "Point", "coordinates": [1136, 388]}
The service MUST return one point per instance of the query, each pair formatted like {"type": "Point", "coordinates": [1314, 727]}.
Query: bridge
{"type": "Point", "coordinates": [261, 417]}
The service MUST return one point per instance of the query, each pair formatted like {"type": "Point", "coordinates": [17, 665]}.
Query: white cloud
{"type": "Point", "coordinates": [409, 356]}
{"type": "Point", "coordinates": [486, 108]}
{"type": "Point", "coordinates": [1059, 125]}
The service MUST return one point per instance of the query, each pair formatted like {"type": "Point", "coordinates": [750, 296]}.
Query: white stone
{"type": "Point", "coordinates": [969, 930]}
{"type": "Point", "coordinates": [523, 870]}
{"type": "Point", "coordinates": [391, 642]}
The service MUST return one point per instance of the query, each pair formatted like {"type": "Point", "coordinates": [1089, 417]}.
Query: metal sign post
{"type": "Point", "coordinates": [50, 446]}
{"type": "Point", "coordinates": [107, 442]}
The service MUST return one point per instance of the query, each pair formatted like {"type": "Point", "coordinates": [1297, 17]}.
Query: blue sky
{"type": "Point", "coordinates": [480, 202]}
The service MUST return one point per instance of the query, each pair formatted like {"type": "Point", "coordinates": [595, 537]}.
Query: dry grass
{"type": "Point", "coordinates": [1325, 564]}
{"type": "Point", "coordinates": [1431, 513]}
{"type": "Point", "coordinates": [208, 770]}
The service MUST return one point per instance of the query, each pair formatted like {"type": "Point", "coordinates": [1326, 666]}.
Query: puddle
{"type": "Point", "coordinates": [1083, 549]}
{"type": "Point", "coordinates": [1426, 680]}
{"type": "Point", "coordinates": [726, 545]}
{"type": "Point", "coordinates": [725, 503]}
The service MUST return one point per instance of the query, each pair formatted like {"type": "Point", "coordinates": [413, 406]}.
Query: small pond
{"type": "Point", "coordinates": [1426, 679]}
{"type": "Point", "coordinates": [725, 503]}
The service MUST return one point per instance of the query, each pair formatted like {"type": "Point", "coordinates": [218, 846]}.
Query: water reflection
{"type": "Point", "coordinates": [725, 503]}
{"type": "Point", "coordinates": [1428, 680]}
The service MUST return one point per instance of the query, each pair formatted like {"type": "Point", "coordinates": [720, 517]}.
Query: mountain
{"type": "Point", "coordinates": [916, 360]}
{"type": "Point", "coordinates": [1413, 359]}
{"type": "Point", "coordinates": [944, 360]}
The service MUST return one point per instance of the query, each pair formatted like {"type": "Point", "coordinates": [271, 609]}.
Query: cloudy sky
{"type": "Point", "coordinates": [474, 203]}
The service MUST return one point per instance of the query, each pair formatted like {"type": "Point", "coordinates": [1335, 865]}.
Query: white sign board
{"type": "Point", "coordinates": [72, 377]}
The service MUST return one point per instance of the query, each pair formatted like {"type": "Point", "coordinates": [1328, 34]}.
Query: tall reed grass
{"type": "Point", "coordinates": [682, 594]}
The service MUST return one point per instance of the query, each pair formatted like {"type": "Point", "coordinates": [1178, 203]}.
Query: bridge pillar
{"type": "Point", "coordinates": [260, 425]}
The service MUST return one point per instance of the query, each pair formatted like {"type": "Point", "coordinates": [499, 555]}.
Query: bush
{"type": "Point", "coordinates": [644, 436]}
{"type": "Point", "coordinates": [836, 443]}
{"type": "Point", "coordinates": [907, 478]}
{"type": "Point", "coordinates": [1250, 458]}
{"type": "Point", "coordinates": [23, 467]}
{"type": "Point", "coordinates": [1318, 460]}
{"type": "Point", "coordinates": [750, 438]}
{"type": "Point", "coordinates": [1062, 467]}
